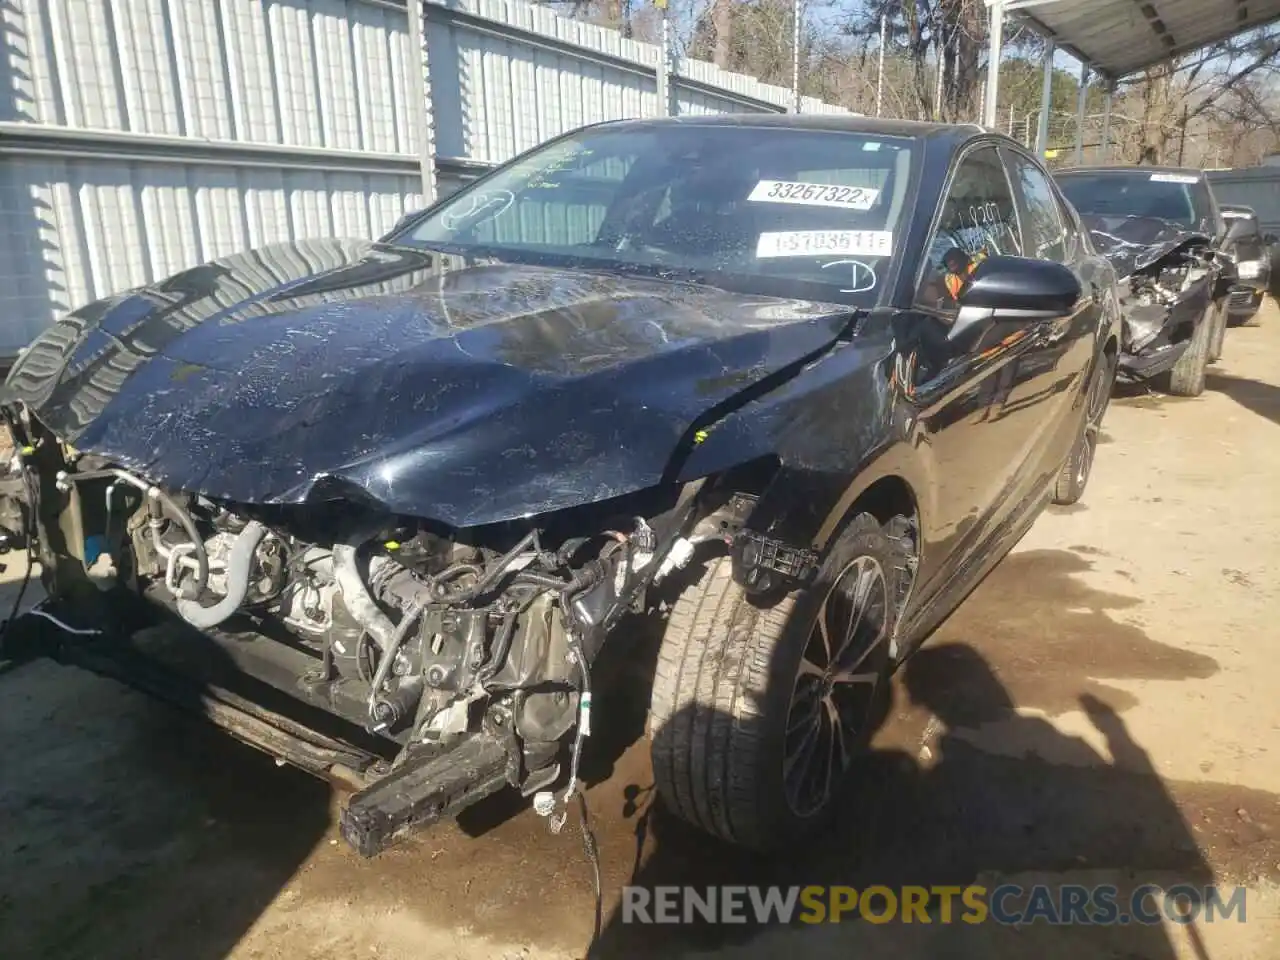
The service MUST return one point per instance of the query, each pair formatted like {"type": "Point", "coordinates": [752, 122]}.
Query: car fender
{"type": "Point", "coordinates": [836, 429]}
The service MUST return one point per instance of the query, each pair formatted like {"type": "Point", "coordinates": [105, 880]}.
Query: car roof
{"type": "Point", "coordinates": [1130, 168]}
{"type": "Point", "coordinates": [953, 133]}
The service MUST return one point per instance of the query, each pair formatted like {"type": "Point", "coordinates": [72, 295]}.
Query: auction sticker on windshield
{"type": "Point", "coordinates": [1173, 178]}
{"type": "Point", "coordinates": [812, 243]}
{"type": "Point", "coordinates": [814, 194]}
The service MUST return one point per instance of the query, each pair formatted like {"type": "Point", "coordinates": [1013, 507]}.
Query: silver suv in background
{"type": "Point", "coordinates": [1257, 188]}
{"type": "Point", "coordinates": [1161, 229]}
{"type": "Point", "coordinates": [1251, 253]}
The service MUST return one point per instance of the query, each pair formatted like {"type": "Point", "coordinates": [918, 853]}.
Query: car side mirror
{"type": "Point", "coordinates": [1022, 287]}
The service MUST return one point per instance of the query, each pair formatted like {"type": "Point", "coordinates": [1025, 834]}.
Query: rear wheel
{"type": "Point", "coordinates": [1186, 378]}
{"type": "Point", "coordinates": [1074, 476]}
{"type": "Point", "coordinates": [758, 714]}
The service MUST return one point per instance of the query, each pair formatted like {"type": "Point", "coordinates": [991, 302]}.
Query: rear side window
{"type": "Point", "coordinates": [1043, 233]}
{"type": "Point", "coordinates": [978, 220]}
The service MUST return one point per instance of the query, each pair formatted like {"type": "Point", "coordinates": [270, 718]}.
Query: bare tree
{"type": "Point", "coordinates": [1229, 87]}
{"type": "Point", "coordinates": [1220, 106]}
{"type": "Point", "coordinates": [722, 25]}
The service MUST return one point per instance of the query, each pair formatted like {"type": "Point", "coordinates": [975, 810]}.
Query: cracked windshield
{"type": "Point", "coordinates": [796, 213]}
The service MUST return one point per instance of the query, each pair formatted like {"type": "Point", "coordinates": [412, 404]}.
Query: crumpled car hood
{"type": "Point", "coordinates": [1139, 243]}
{"type": "Point", "coordinates": [464, 392]}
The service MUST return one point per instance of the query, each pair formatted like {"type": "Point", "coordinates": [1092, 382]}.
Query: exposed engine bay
{"type": "Point", "coordinates": [1167, 278]}
{"type": "Point", "coordinates": [375, 519]}
{"type": "Point", "coordinates": [1160, 293]}
{"type": "Point", "coordinates": [421, 639]}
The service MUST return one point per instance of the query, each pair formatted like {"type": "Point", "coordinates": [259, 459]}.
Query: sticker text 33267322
{"type": "Point", "coordinates": [814, 194]}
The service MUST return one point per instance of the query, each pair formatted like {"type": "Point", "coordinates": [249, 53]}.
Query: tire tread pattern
{"type": "Point", "coordinates": [710, 695]}
{"type": "Point", "coordinates": [1186, 377]}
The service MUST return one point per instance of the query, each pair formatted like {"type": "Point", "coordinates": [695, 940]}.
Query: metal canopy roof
{"type": "Point", "coordinates": [1120, 37]}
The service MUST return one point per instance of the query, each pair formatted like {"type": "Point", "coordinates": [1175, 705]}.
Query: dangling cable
{"type": "Point", "coordinates": [65, 627]}
{"type": "Point", "coordinates": [544, 803]}
{"type": "Point", "coordinates": [593, 856]}
{"type": "Point", "coordinates": [588, 837]}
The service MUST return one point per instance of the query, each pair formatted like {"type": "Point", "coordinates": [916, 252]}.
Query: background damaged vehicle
{"type": "Point", "coordinates": [378, 508]}
{"type": "Point", "coordinates": [1163, 231]}
{"type": "Point", "coordinates": [1250, 254]}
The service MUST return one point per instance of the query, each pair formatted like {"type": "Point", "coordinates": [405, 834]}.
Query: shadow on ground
{"type": "Point", "coordinates": [1000, 794]}
{"type": "Point", "coordinates": [131, 830]}
{"type": "Point", "coordinates": [1261, 398]}
{"type": "Point", "coordinates": [965, 816]}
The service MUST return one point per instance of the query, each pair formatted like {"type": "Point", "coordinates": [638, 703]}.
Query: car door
{"type": "Point", "coordinates": [1047, 385]}
{"type": "Point", "coordinates": [957, 372]}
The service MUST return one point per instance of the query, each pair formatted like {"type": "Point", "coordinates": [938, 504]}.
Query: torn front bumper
{"type": "Point", "coordinates": [1156, 336]}
{"type": "Point", "coordinates": [1243, 302]}
{"type": "Point", "coordinates": [162, 661]}
{"type": "Point", "coordinates": [195, 673]}
{"type": "Point", "coordinates": [1137, 367]}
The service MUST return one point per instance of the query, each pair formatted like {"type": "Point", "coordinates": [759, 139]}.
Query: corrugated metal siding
{"type": "Point", "coordinates": [308, 73]}
{"type": "Point", "coordinates": [507, 76]}
{"type": "Point", "coordinates": [99, 208]}
{"type": "Point", "coordinates": [496, 96]}
{"type": "Point", "coordinates": [1257, 187]}
{"type": "Point", "coordinates": [80, 230]}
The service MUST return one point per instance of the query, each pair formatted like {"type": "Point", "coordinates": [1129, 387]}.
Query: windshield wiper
{"type": "Point", "coordinates": [681, 274]}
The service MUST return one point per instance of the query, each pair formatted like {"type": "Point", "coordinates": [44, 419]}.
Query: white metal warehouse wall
{"type": "Point", "coordinates": [138, 137]}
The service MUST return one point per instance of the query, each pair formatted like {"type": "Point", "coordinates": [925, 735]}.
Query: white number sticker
{"type": "Point", "coordinates": [814, 194]}
{"type": "Point", "coordinates": [814, 243]}
{"type": "Point", "coordinates": [1173, 178]}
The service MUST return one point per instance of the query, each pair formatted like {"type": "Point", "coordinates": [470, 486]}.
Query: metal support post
{"type": "Point", "coordinates": [1046, 100]}
{"type": "Point", "coordinates": [991, 92]}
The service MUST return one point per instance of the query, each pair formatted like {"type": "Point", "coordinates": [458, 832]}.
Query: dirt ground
{"type": "Point", "coordinates": [1103, 709]}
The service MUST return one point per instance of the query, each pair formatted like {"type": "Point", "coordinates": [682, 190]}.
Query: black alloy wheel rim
{"type": "Point", "coordinates": [844, 661]}
{"type": "Point", "coordinates": [1093, 424]}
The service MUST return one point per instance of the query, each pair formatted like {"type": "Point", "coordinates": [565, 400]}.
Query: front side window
{"type": "Point", "coordinates": [783, 211]}
{"type": "Point", "coordinates": [1043, 232]}
{"type": "Point", "coordinates": [978, 220]}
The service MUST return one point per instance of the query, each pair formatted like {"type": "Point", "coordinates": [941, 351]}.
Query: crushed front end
{"type": "Point", "coordinates": [1168, 280]}
{"type": "Point", "coordinates": [374, 511]}
{"type": "Point", "coordinates": [1162, 306]}
{"type": "Point", "coordinates": [423, 667]}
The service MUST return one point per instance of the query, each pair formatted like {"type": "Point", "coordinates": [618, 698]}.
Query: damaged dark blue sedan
{"type": "Point", "coordinates": [790, 385]}
{"type": "Point", "coordinates": [1163, 232]}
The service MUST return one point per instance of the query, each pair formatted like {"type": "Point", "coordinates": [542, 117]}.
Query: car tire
{"type": "Point", "coordinates": [1219, 333]}
{"type": "Point", "coordinates": [741, 703]}
{"type": "Point", "coordinates": [1186, 377]}
{"type": "Point", "coordinates": [1073, 478]}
